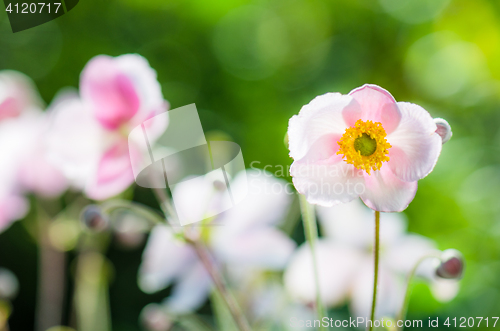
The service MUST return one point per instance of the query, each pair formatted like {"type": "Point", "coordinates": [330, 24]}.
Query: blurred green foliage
{"type": "Point", "coordinates": [250, 65]}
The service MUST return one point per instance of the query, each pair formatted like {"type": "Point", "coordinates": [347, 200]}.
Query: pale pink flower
{"type": "Point", "coordinates": [35, 172]}
{"type": "Point", "coordinates": [364, 144]}
{"type": "Point", "coordinates": [24, 166]}
{"type": "Point", "coordinates": [12, 207]}
{"type": "Point", "coordinates": [89, 134]}
{"type": "Point", "coordinates": [345, 262]}
{"type": "Point", "coordinates": [17, 94]}
{"type": "Point", "coordinates": [244, 238]}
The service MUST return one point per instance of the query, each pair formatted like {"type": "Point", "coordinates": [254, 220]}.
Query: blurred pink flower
{"type": "Point", "coordinates": [345, 262]}
{"type": "Point", "coordinates": [89, 134]}
{"type": "Point", "coordinates": [12, 207]}
{"type": "Point", "coordinates": [17, 94]}
{"type": "Point", "coordinates": [364, 144]}
{"type": "Point", "coordinates": [243, 238]}
{"type": "Point", "coordinates": [24, 167]}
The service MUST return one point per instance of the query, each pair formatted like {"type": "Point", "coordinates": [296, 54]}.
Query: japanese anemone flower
{"type": "Point", "coordinates": [363, 144]}
{"type": "Point", "coordinates": [88, 139]}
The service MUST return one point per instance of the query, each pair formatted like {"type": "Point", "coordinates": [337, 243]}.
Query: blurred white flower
{"type": "Point", "coordinates": [89, 133]}
{"type": "Point", "coordinates": [345, 261]}
{"type": "Point", "coordinates": [270, 308]}
{"type": "Point", "coordinates": [244, 237]}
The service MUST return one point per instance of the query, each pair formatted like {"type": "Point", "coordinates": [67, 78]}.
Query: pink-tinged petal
{"type": "Point", "coordinates": [375, 104]}
{"type": "Point", "coordinates": [390, 293]}
{"type": "Point", "coordinates": [190, 292]}
{"type": "Point", "coordinates": [443, 129]}
{"type": "Point", "coordinates": [18, 93]}
{"type": "Point", "coordinates": [111, 94]}
{"type": "Point", "coordinates": [164, 260]}
{"type": "Point", "coordinates": [12, 207]}
{"type": "Point", "coordinates": [415, 144]}
{"type": "Point", "coordinates": [41, 177]}
{"type": "Point", "coordinates": [322, 116]}
{"type": "Point", "coordinates": [75, 140]}
{"type": "Point", "coordinates": [114, 173]}
{"type": "Point", "coordinates": [337, 264]}
{"type": "Point", "coordinates": [385, 192]}
{"type": "Point", "coordinates": [144, 78]}
{"type": "Point", "coordinates": [10, 107]}
{"type": "Point", "coordinates": [323, 177]}
{"type": "Point", "coordinates": [265, 247]}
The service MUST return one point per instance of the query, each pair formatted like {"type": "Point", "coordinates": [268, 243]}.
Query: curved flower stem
{"type": "Point", "coordinates": [375, 274]}
{"type": "Point", "coordinates": [404, 307]}
{"type": "Point", "coordinates": [220, 284]}
{"type": "Point", "coordinates": [311, 233]}
{"type": "Point", "coordinates": [207, 261]}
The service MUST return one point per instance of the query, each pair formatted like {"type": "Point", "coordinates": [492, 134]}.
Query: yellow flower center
{"type": "Point", "coordinates": [364, 145]}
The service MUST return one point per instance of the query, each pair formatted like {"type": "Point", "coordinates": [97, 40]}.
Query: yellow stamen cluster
{"type": "Point", "coordinates": [364, 145]}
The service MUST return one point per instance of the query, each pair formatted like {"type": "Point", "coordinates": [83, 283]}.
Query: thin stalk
{"type": "Point", "coordinates": [311, 233]}
{"type": "Point", "coordinates": [220, 284]}
{"type": "Point", "coordinates": [375, 274]}
{"type": "Point", "coordinates": [207, 261]}
{"type": "Point", "coordinates": [404, 307]}
{"type": "Point", "coordinates": [166, 206]}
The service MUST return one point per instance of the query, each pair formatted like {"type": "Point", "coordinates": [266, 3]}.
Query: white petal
{"type": "Point", "coordinates": [164, 259]}
{"type": "Point", "coordinates": [386, 192]}
{"type": "Point", "coordinates": [190, 292]}
{"type": "Point", "coordinates": [403, 255]}
{"type": "Point", "coordinates": [353, 224]}
{"type": "Point", "coordinates": [266, 203]}
{"type": "Point", "coordinates": [322, 116]}
{"type": "Point", "coordinates": [336, 266]}
{"type": "Point", "coordinates": [347, 223]}
{"type": "Point", "coordinates": [445, 290]}
{"type": "Point", "coordinates": [390, 293]}
{"type": "Point", "coordinates": [265, 247]}
{"type": "Point", "coordinates": [415, 144]}
{"type": "Point", "coordinates": [327, 183]}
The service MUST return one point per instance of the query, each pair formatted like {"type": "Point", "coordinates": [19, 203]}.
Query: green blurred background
{"type": "Point", "coordinates": [250, 65]}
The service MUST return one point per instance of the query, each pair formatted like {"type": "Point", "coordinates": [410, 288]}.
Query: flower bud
{"type": "Point", "coordinates": [8, 284]}
{"type": "Point", "coordinates": [443, 129]}
{"type": "Point", "coordinates": [154, 318]}
{"type": "Point", "coordinates": [451, 265]}
{"type": "Point", "coordinates": [93, 218]}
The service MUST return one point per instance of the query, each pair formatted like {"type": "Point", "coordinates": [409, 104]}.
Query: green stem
{"type": "Point", "coordinates": [375, 274]}
{"type": "Point", "coordinates": [404, 308]}
{"type": "Point", "coordinates": [311, 233]}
